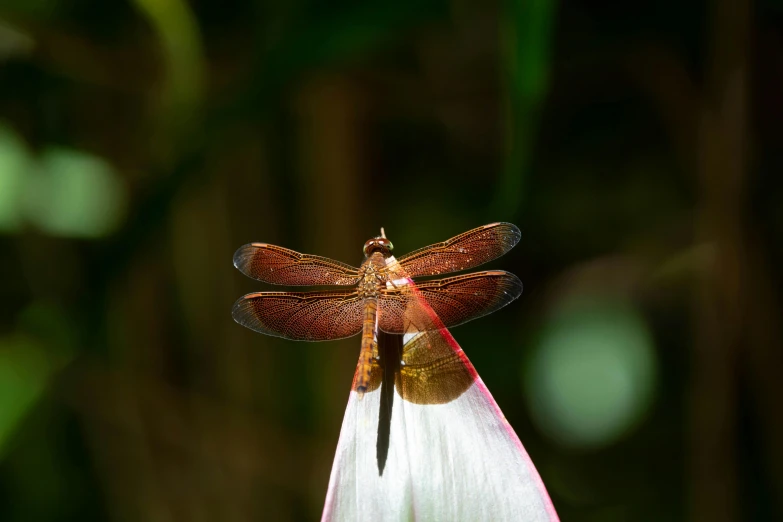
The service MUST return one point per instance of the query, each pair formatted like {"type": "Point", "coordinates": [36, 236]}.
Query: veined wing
{"type": "Point", "coordinates": [426, 369]}
{"type": "Point", "coordinates": [281, 266]}
{"type": "Point", "coordinates": [433, 372]}
{"type": "Point", "coordinates": [471, 249]}
{"type": "Point", "coordinates": [449, 301]}
{"type": "Point", "coordinates": [301, 316]}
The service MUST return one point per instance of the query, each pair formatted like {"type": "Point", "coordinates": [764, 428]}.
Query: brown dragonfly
{"type": "Point", "coordinates": [379, 295]}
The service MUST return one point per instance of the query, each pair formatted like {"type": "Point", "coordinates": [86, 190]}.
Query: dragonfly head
{"type": "Point", "coordinates": [378, 244]}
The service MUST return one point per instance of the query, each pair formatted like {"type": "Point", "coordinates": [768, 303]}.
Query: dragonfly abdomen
{"type": "Point", "coordinates": [368, 338]}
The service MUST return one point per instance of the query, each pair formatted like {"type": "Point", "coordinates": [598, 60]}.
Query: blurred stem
{"type": "Point", "coordinates": [722, 295]}
{"type": "Point", "coordinates": [526, 37]}
{"type": "Point", "coordinates": [735, 306]}
{"type": "Point", "coordinates": [330, 111]}
{"type": "Point", "coordinates": [178, 32]}
{"type": "Point", "coordinates": [662, 74]}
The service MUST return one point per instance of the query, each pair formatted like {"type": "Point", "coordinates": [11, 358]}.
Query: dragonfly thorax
{"type": "Point", "coordinates": [373, 276]}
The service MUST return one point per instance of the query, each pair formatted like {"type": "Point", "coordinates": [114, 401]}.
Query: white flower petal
{"type": "Point", "coordinates": [458, 461]}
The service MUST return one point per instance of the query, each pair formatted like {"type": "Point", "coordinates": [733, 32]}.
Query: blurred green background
{"type": "Point", "coordinates": [637, 147]}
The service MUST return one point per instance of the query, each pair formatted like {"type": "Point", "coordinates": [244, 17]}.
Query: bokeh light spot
{"type": "Point", "coordinates": [592, 375]}
{"type": "Point", "coordinates": [75, 194]}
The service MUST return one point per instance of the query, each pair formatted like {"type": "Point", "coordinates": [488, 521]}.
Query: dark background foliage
{"type": "Point", "coordinates": [637, 146]}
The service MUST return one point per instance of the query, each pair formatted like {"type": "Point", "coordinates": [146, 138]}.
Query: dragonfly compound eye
{"type": "Point", "coordinates": [378, 244]}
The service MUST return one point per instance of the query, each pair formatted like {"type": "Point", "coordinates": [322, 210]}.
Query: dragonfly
{"type": "Point", "coordinates": [384, 295]}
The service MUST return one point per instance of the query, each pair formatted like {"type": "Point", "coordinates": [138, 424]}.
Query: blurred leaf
{"type": "Point", "coordinates": [28, 359]}
{"type": "Point", "coordinates": [685, 265]}
{"type": "Point", "coordinates": [527, 39]}
{"type": "Point", "coordinates": [13, 41]}
{"type": "Point", "coordinates": [24, 373]}
{"type": "Point", "coordinates": [180, 40]}
{"type": "Point", "coordinates": [14, 163]}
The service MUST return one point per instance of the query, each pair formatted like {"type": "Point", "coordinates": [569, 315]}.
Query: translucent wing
{"type": "Point", "coordinates": [453, 300]}
{"type": "Point", "coordinates": [471, 249]}
{"type": "Point", "coordinates": [432, 371]}
{"type": "Point", "coordinates": [302, 316]}
{"type": "Point", "coordinates": [281, 266]}
{"type": "Point", "coordinates": [426, 370]}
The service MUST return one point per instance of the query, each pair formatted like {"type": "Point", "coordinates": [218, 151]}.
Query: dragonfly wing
{"type": "Point", "coordinates": [301, 316]}
{"type": "Point", "coordinates": [468, 250]}
{"type": "Point", "coordinates": [281, 266]}
{"type": "Point", "coordinates": [449, 301]}
{"type": "Point", "coordinates": [432, 371]}
{"type": "Point", "coordinates": [457, 460]}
